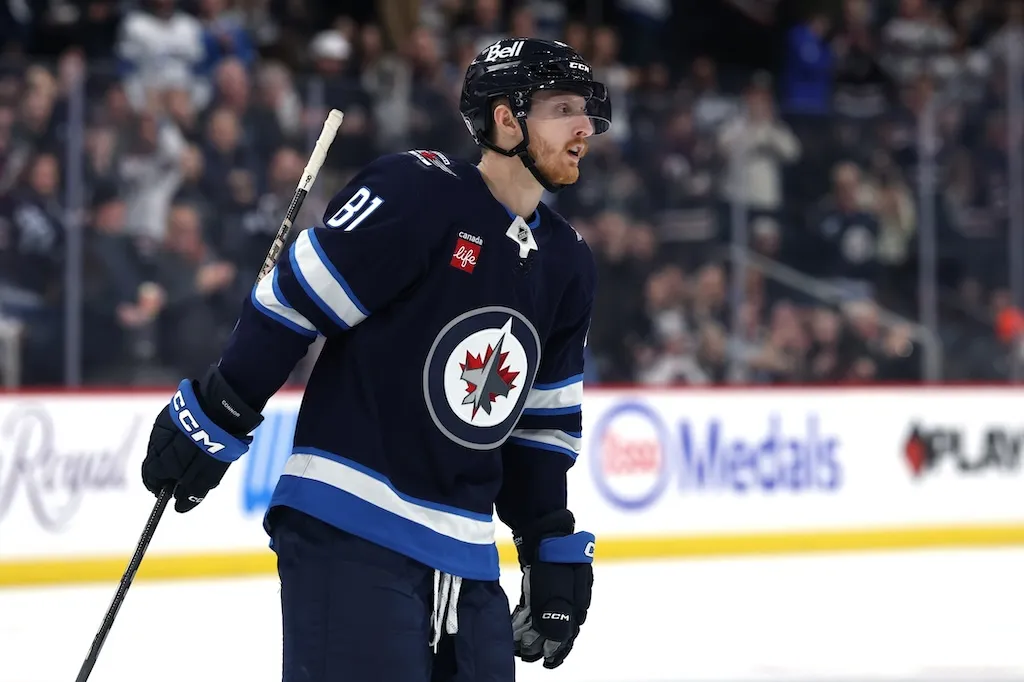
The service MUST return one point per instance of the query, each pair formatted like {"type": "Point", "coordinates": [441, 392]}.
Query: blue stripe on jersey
{"type": "Point", "coordinates": [571, 422]}
{"type": "Point", "coordinates": [364, 503]}
{"type": "Point", "coordinates": [568, 443]}
{"type": "Point", "coordinates": [315, 241]}
{"type": "Point", "coordinates": [322, 283]}
{"type": "Point", "coordinates": [577, 378]}
{"type": "Point", "coordinates": [268, 299]}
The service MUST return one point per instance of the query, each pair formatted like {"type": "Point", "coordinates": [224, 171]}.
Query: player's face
{"type": "Point", "coordinates": [559, 127]}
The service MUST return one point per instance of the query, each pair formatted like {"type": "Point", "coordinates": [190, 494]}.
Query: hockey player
{"type": "Point", "coordinates": [455, 307]}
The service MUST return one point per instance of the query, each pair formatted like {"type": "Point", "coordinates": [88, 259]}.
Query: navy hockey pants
{"type": "Point", "coordinates": [354, 611]}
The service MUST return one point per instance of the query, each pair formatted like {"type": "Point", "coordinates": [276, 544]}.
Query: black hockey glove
{"type": "Point", "coordinates": [557, 580]}
{"type": "Point", "coordinates": [194, 440]}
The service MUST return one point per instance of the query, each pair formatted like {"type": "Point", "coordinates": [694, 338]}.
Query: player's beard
{"type": "Point", "coordinates": [554, 162]}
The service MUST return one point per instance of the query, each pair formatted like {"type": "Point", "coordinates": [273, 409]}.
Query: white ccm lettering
{"type": "Point", "coordinates": [191, 426]}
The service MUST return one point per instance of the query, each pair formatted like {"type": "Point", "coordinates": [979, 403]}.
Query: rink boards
{"type": "Point", "coordinates": [663, 473]}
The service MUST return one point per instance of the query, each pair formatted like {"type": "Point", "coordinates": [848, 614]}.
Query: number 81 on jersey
{"type": "Point", "coordinates": [355, 210]}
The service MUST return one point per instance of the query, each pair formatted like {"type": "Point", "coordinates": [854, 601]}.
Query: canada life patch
{"type": "Point", "coordinates": [467, 252]}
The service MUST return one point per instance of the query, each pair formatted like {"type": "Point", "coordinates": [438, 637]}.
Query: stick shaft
{"type": "Point", "coordinates": [309, 173]}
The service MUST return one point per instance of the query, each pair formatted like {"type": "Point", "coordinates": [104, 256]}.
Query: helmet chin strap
{"type": "Point", "coordinates": [522, 151]}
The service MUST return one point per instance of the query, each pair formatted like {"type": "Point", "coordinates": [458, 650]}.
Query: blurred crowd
{"type": "Point", "coordinates": [757, 209]}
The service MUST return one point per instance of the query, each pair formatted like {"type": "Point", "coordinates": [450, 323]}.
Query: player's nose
{"type": "Point", "coordinates": [584, 127]}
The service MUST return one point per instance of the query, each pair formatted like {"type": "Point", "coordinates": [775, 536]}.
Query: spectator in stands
{"type": "Point", "coordinates": [190, 190]}
{"type": "Point", "coordinates": [918, 41]}
{"type": "Point", "coordinates": [199, 295]}
{"type": "Point", "coordinates": [102, 153]}
{"type": "Point", "coordinates": [755, 146]}
{"type": "Point", "coordinates": [623, 278]}
{"type": "Point", "coordinates": [32, 254]}
{"type": "Point", "coordinates": [224, 35]}
{"type": "Point", "coordinates": [863, 89]}
{"type": "Point", "coordinates": [609, 69]}
{"type": "Point", "coordinates": [900, 357]}
{"type": "Point", "coordinates": [149, 172]}
{"type": "Point", "coordinates": [893, 204]}
{"type": "Point", "coordinates": [38, 120]}
{"type": "Point", "coordinates": [158, 42]}
{"type": "Point", "coordinates": [120, 305]}
{"type": "Point", "coordinates": [259, 131]}
{"type": "Point", "coordinates": [683, 171]}
{"type": "Point", "coordinates": [231, 164]}
{"type": "Point", "coordinates": [387, 79]}
{"type": "Point", "coordinates": [825, 359]}
{"type": "Point", "coordinates": [331, 53]}
{"type": "Point", "coordinates": [277, 94]}
{"type": "Point", "coordinates": [433, 119]}
{"type": "Point", "coordinates": [711, 106]}
{"type": "Point", "coordinates": [847, 234]}
{"type": "Point", "coordinates": [807, 77]}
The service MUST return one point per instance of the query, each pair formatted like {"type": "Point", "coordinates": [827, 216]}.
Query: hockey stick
{"type": "Point", "coordinates": [312, 169]}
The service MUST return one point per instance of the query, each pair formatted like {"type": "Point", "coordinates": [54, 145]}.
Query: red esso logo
{"type": "Point", "coordinates": [632, 459]}
{"type": "Point", "coordinates": [624, 455]}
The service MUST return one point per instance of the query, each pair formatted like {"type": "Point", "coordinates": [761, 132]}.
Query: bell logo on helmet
{"type": "Point", "coordinates": [498, 51]}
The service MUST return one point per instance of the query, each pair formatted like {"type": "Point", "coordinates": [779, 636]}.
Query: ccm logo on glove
{"type": "Point", "coordinates": [193, 422]}
{"type": "Point", "coordinates": [555, 616]}
{"type": "Point", "coordinates": [191, 426]}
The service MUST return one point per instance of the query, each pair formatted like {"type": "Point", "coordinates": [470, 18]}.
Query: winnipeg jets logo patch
{"type": "Point", "coordinates": [488, 376]}
{"type": "Point", "coordinates": [477, 375]}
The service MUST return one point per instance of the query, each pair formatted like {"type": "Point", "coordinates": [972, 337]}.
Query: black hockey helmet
{"type": "Point", "coordinates": [516, 68]}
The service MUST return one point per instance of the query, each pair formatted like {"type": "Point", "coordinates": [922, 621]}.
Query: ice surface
{"type": "Point", "coordinates": [927, 615]}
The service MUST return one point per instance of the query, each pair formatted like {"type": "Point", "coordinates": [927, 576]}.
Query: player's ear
{"type": "Point", "coordinates": [505, 126]}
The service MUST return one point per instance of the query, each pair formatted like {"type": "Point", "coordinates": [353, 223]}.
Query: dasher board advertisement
{"type": "Point", "coordinates": [656, 465]}
{"type": "Point", "coordinates": [679, 462]}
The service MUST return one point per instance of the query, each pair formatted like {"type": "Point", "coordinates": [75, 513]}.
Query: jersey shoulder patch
{"type": "Point", "coordinates": [430, 158]}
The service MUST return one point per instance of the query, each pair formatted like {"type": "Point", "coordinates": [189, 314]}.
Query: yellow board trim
{"type": "Point", "coordinates": [161, 567]}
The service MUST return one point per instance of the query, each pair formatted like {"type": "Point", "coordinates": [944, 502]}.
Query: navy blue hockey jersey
{"type": "Point", "coordinates": [450, 383]}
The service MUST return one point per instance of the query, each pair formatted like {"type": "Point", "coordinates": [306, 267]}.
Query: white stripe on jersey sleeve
{"type": "Point", "coordinates": [268, 299]}
{"type": "Point", "coordinates": [323, 283]}
{"type": "Point", "coordinates": [561, 398]}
